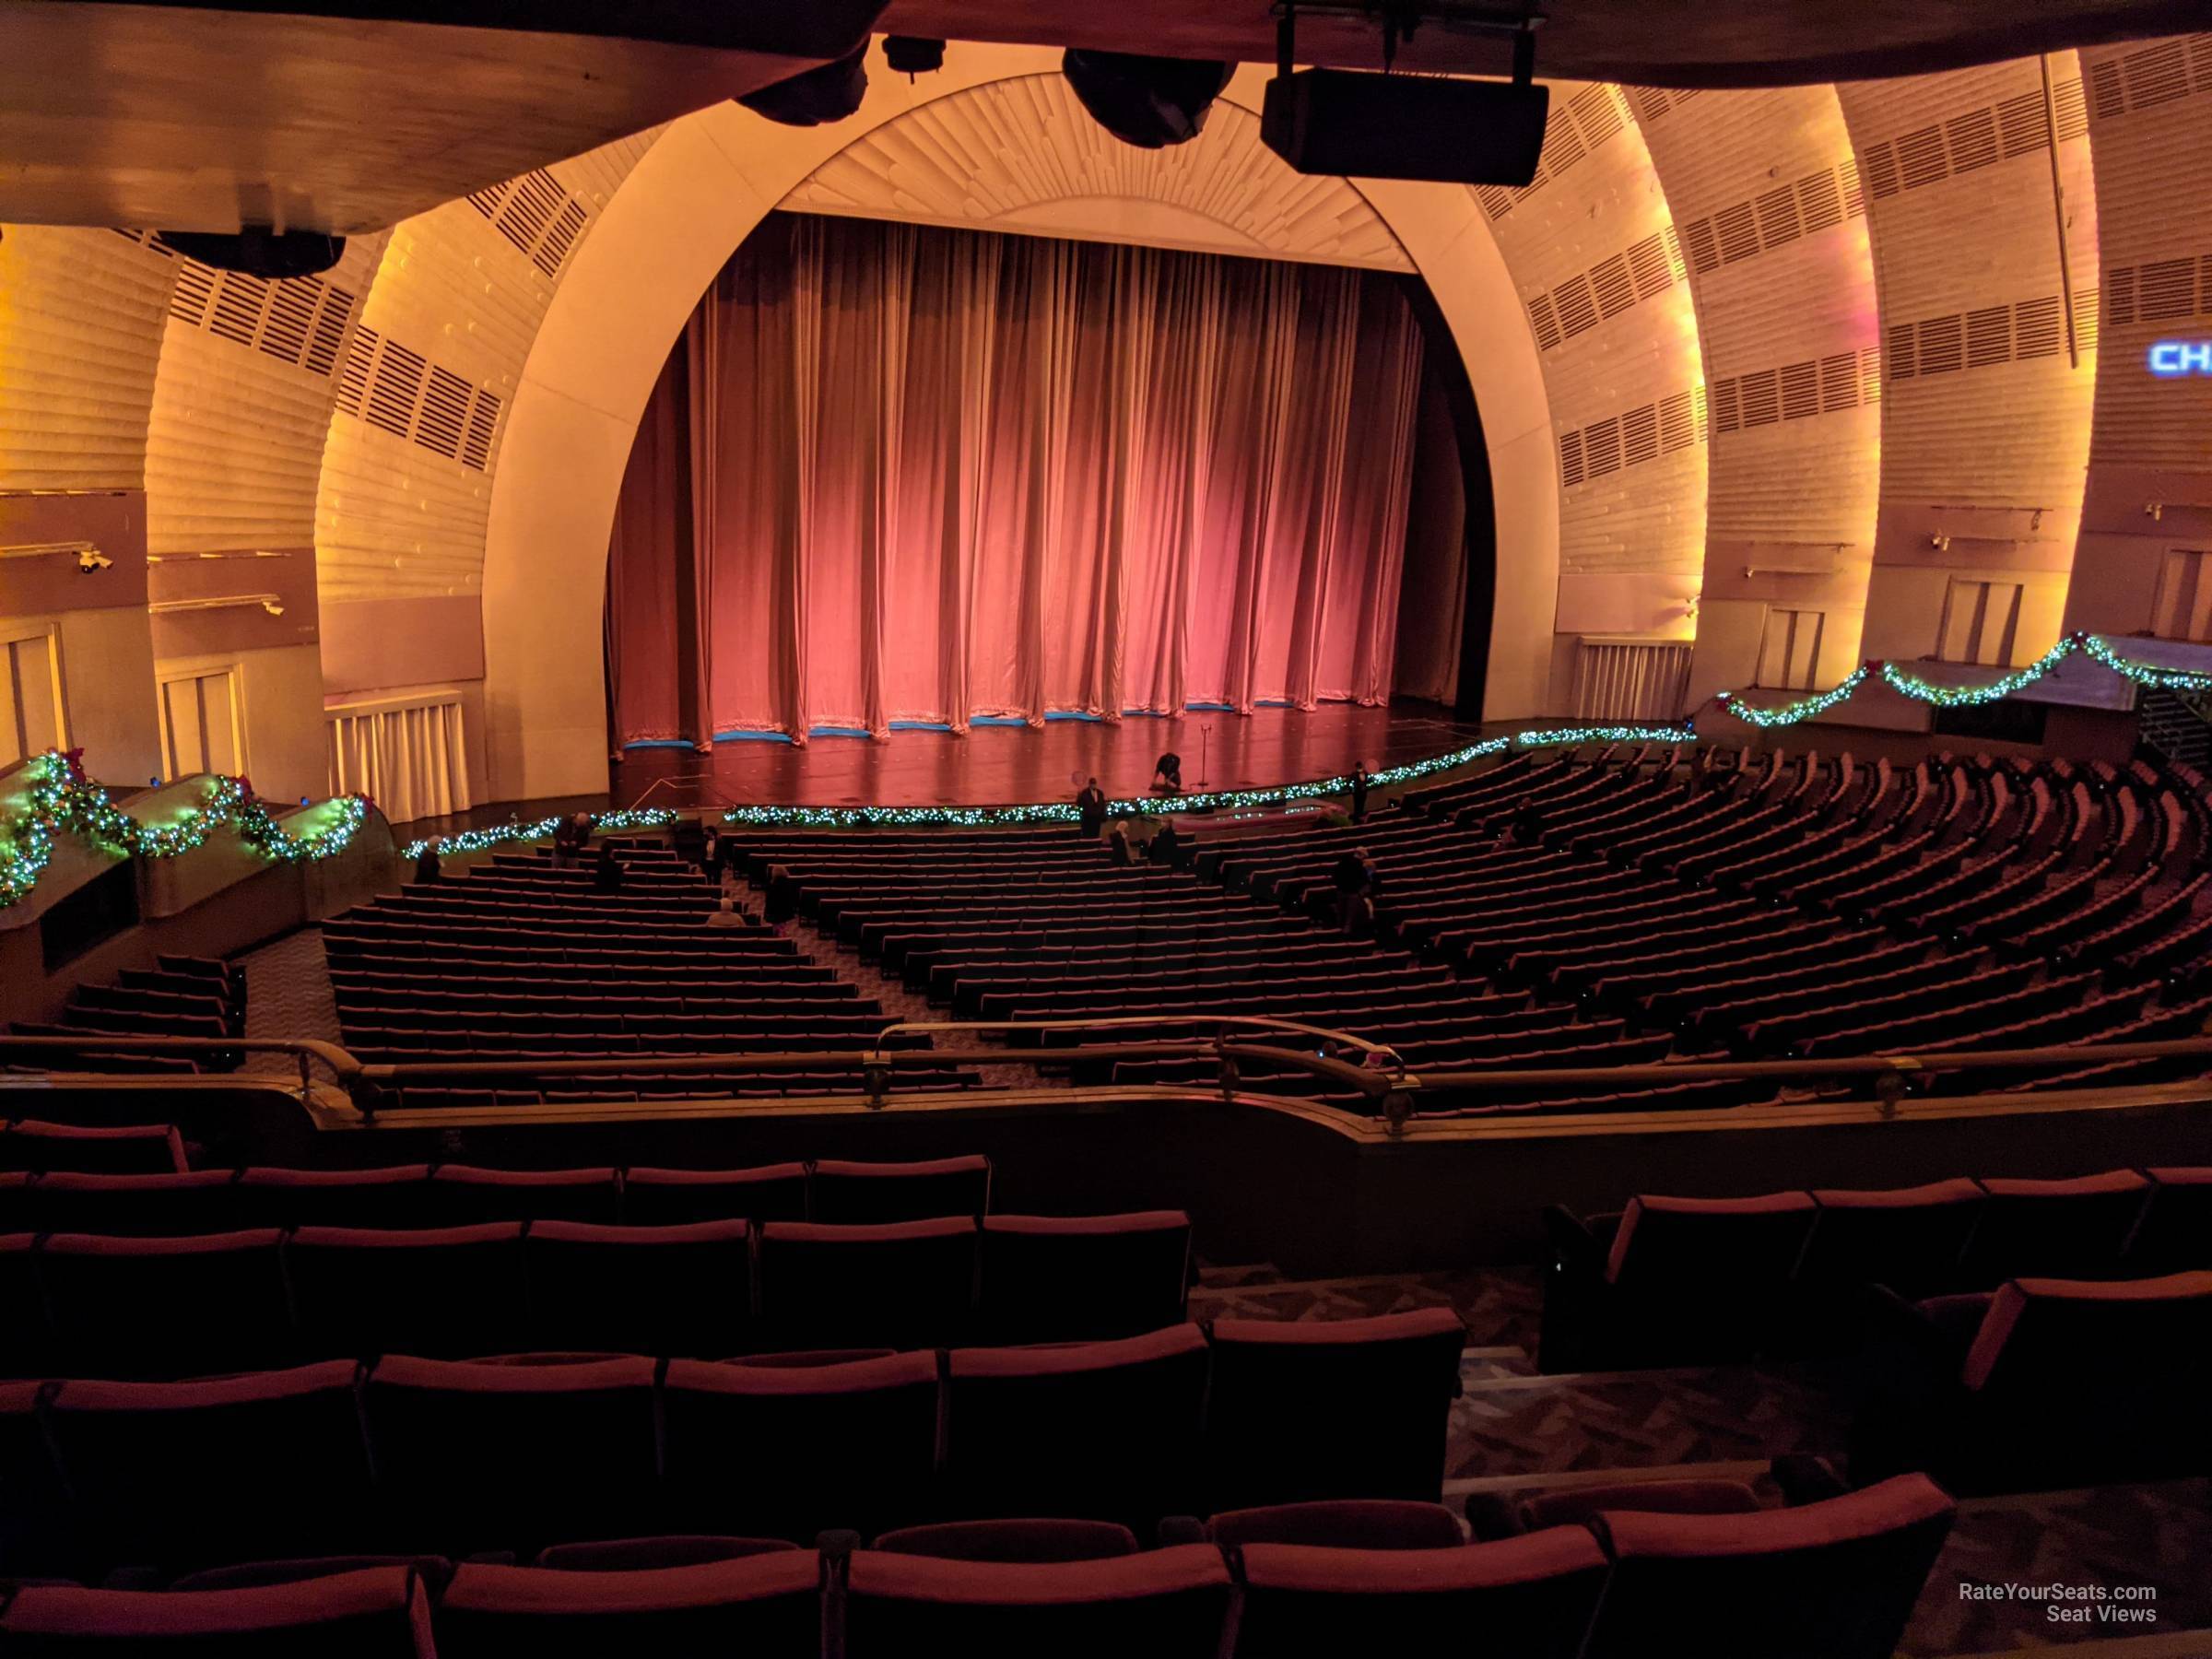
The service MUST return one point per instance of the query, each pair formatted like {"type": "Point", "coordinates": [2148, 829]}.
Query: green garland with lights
{"type": "Point", "coordinates": [499, 835]}
{"type": "Point", "coordinates": [61, 799]}
{"type": "Point", "coordinates": [1064, 812]}
{"type": "Point", "coordinates": [1907, 684]}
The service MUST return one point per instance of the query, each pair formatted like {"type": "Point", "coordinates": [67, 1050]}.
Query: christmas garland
{"type": "Point", "coordinates": [1958, 697]}
{"type": "Point", "coordinates": [61, 799]}
{"type": "Point", "coordinates": [1064, 812]}
{"type": "Point", "coordinates": [499, 835]}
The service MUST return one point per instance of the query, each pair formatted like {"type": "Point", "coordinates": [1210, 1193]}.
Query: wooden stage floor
{"type": "Point", "coordinates": [997, 765]}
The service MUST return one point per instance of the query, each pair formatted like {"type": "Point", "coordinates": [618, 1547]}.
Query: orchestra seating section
{"type": "Point", "coordinates": [181, 996]}
{"type": "Point", "coordinates": [1645, 903]}
{"type": "Point", "coordinates": [519, 961]}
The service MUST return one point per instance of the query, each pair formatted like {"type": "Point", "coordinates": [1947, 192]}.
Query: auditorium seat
{"type": "Point", "coordinates": [1051, 1278]}
{"type": "Point", "coordinates": [905, 1284]}
{"type": "Point", "coordinates": [435, 1571]}
{"type": "Point", "coordinates": [1533, 1597]}
{"type": "Point", "coordinates": [377, 1613]}
{"type": "Point", "coordinates": [846, 1192]}
{"type": "Point", "coordinates": [1672, 1281]}
{"type": "Point", "coordinates": [177, 1475]}
{"type": "Point", "coordinates": [1832, 1580]}
{"type": "Point", "coordinates": [667, 1550]}
{"type": "Point", "coordinates": [655, 1197]}
{"type": "Point", "coordinates": [511, 1458]}
{"type": "Point", "coordinates": [1908, 1237]}
{"type": "Point", "coordinates": [393, 1195]}
{"type": "Point", "coordinates": [2175, 1232]}
{"type": "Point", "coordinates": [1034, 1539]}
{"type": "Point", "coordinates": [767, 1605]}
{"type": "Point", "coordinates": [182, 1307]}
{"type": "Point", "coordinates": [1331, 1409]}
{"type": "Point", "coordinates": [28, 1349]}
{"type": "Point", "coordinates": [463, 1195]}
{"type": "Point", "coordinates": [446, 1292]}
{"type": "Point", "coordinates": [2043, 1383]}
{"type": "Point", "coordinates": [2071, 1228]}
{"type": "Point", "coordinates": [1165, 1604]}
{"type": "Point", "coordinates": [141, 1149]}
{"type": "Point", "coordinates": [784, 1451]}
{"type": "Point", "coordinates": [656, 1290]}
{"type": "Point", "coordinates": [154, 1206]}
{"type": "Point", "coordinates": [1141, 1405]}
{"type": "Point", "coordinates": [38, 1527]}
{"type": "Point", "coordinates": [1340, 1524]}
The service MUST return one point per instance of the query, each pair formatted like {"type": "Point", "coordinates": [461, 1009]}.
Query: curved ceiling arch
{"type": "Point", "coordinates": [680, 213]}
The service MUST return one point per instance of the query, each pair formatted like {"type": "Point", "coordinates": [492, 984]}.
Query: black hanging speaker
{"type": "Point", "coordinates": [260, 252]}
{"type": "Point", "coordinates": [1149, 101]}
{"type": "Point", "coordinates": [1405, 127]}
{"type": "Point", "coordinates": [827, 92]}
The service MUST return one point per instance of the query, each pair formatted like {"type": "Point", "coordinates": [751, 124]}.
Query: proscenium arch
{"type": "Point", "coordinates": [707, 182]}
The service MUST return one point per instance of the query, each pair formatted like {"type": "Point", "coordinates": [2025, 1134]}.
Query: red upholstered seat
{"type": "Point", "coordinates": [396, 1196]}
{"type": "Point", "coordinates": [1577, 1505]}
{"type": "Point", "coordinates": [1532, 1597]}
{"type": "Point", "coordinates": [1907, 1238]}
{"type": "Point", "coordinates": [377, 1613]}
{"type": "Point", "coordinates": [482, 1457]}
{"type": "Point", "coordinates": [2175, 1233]}
{"type": "Point", "coordinates": [897, 1284]}
{"type": "Point", "coordinates": [37, 1537]}
{"type": "Point", "coordinates": [2074, 1229]}
{"type": "Point", "coordinates": [669, 1549]}
{"type": "Point", "coordinates": [119, 1149]}
{"type": "Point", "coordinates": [1166, 1603]}
{"type": "Point", "coordinates": [1832, 1580]}
{"type": "Point", "coordinates": [845, 1191]}
{"type": "Point", "coordinates": [463, 1195]}
{"type": "Point", "coordinates": [266, 1464]}
{"type": "Point", "coordinates": [641, 1290]}
{"type": "Point", "coordinates": [1140, 1403]}
{"type": "Point", "coordinates": [435, 1571]}
{"type": "Point", "coordinates": [765, 1607]}
{"type": "Point", "coordinates": [786, 1452]}
{"type": "Point", "coordinates": [148, 1206]}
{"type": "Point", "coordinates": [1055, 1279]}
{"type": "Point", "coordinates": [449, 1293]}
{"type": "Point", "coordinates": [1364, 1402]}
{"type": "Point", "coordinates": [1046, 1539]}
{"type": "Point", "coordinates": [1695, 1280]}
{"type": "Point", "coordinates": [182, 1307]}
{"type": "Point", "coordinates": [29, 1345]}
{"type": "Point", "coordinates": [654, 1198]}
{"type": "Point", "coordinates": [1341, 1524]}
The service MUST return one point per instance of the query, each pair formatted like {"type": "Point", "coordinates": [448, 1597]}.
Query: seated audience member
{"type": "Point", "coordinates": [1354, 882]}
{"type": "Point", "coordinates": [607, 877]}
{"type": "Point", "coordinates": [427, 867]}
{"type": "Point", "coordinates": [569, 838]}
{"type": "Point", "coordinates": [1118, 843]}
{"type": "Point", "coordinates": [1167, 774]}
{"type": "Point", "coordinates": [1090, 810]}
{"type": "Point", "coordinates": [1165, 846]}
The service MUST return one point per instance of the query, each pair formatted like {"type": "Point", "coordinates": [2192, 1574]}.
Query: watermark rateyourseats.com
{"type": "Point", "coordinates": [2121, 1606]}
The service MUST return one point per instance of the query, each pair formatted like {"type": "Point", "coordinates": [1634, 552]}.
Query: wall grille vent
{"type": "Point", "coordinates": [1606, 289]}
{"type": "Point", "coordinates": [403, 393]}
{"type": "Point", "coordinates": [300, 321]}
{"type": "Point", "coordinates": [1980, 339]}
{"type": "Point", "coordinates": [1844, 380]}
{"type": "Point", "coordinates": [535, 214]}
{"type": "Point", "coordinates": [2151, 75]}
{"type": "Point", "coordinates": [1641, 434]}
{"type": "Point", "coordinates": [1574, 127]}
{"type": "Point", "coordinates": [1820, 201]}
{"type": "Point", "coordinates": [2162, 290]}
{"type": "Point", "coordinates": [1969, 142]}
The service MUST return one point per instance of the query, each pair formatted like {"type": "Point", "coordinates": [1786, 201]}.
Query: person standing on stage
{"type": "Point", "coordinates": [1090, 810]}
{"type": "Point", "coordinates": [1359, 786]}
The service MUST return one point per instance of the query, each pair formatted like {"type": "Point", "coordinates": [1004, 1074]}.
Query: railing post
{"type": "Point", "coordinates": [307, 1081]}
{"type": "Point", "coordinates": [1889, 1086]}
{"type": "Point", "coordinates": [1398, 1102]}
{"type": "Point", "coordinates": [876, 1076]}
{"type": "Point", "coordinates": [1227, 1063]}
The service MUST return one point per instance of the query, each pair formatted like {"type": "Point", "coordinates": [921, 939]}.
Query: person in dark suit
{"type": "Point", "coordinates": [1360, 782]}
{"type": "Point", "coordinates": [607, 877]}
{"type": "Point", "coordinates": [1166, 846]}
{"type": "Point", "coordinates": [1090, 810]}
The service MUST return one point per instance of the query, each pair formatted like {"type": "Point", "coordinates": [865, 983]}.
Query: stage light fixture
{"type": "Point", "coordinates": [912, 54]}
{"type": "Point", "coordinates": [259, 251]}
{"type": "Point", "coordinates": [1356, 123]}
{"type": "Point", "coordinates": [1151, 103]}
{"type": "Point", "coordinates": [825, 93]}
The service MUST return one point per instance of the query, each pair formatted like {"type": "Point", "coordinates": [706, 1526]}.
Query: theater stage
{"type": "Point", "coordinates": [998, 764]}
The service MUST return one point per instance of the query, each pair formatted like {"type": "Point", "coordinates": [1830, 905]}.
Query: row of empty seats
{"type": "Point", "coordinates": [133, 1307]}
{"type": "Point", "coordinates": [456, 1195]}
{"type": "Point", "coordinates": [1832, 1580]}
{"type": "Point", "coordinates": [453, 1457]}
{"type": "Point", "coordinates": [180, 997]}
{"type": "Point", "coordinates": [31, 1146]}
{"type": "Point", "coordinates": [1674, 1280]}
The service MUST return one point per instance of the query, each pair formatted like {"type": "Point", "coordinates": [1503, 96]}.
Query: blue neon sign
{"type": "Point", "coordinates": [2169, 360]}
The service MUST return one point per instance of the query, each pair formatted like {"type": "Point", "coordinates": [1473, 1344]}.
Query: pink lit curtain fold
{"type": "Point", "coordinates": [900, 474]}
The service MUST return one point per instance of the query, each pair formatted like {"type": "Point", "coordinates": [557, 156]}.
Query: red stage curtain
{"type": "Point", "coordinates": [894, 473]}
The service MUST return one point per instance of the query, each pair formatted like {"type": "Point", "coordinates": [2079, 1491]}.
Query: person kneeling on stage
{"type": "Point", "coordinates": [1167, 774]}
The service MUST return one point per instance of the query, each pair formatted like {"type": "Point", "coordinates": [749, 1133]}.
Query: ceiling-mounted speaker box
{"type": "Point", "coordinates": [1364, 125]}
